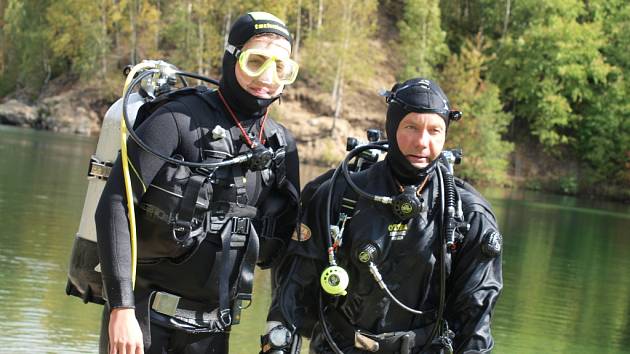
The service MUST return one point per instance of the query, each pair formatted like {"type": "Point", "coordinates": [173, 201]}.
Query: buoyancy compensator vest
{"type": "Point", "coordinates": [173, 213]}
{"type": "Point", "coordinates": [187, 192]}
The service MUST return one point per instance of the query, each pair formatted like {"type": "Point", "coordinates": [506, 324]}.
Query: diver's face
{"type": "Point", "coordinates": [421, 137]}
{"type": "Point", "coordinates": [264, 85]}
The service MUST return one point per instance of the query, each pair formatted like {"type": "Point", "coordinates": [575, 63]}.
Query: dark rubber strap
{"type": "Point", "coordinates": [189, 201]}
{"type": "Point", "coordinates": [245, 282]}
{"type": "Point", "coordinates": [224, 275]}
{"type": "Point", "coordinates": [239, 184]}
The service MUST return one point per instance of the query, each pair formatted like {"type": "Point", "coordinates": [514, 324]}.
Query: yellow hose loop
{"type": "Point", "coordinates": [125, 165]}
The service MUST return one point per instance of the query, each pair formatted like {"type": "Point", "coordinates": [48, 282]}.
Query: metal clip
{"type": "Point", "coordinates": [99, 169]}
{"type": "Point", "coordinates": [165, 303]}
{"type": "Point", "coordinates": [225, 318]}
{"type": "Point", "coordinates": [240, 226]}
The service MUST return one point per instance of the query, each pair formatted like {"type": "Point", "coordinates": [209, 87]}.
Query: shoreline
{"type": "Point", "coordinates": [324, 158]}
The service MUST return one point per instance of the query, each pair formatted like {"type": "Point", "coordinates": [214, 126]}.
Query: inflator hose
{"type": "Point", "coordinates": [440, 312]}
{"type": "Point", "coordinates": [125, 165]}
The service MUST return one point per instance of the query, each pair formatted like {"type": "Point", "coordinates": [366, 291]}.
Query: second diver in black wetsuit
{"type": "Point", "coordinates": [406, 292]}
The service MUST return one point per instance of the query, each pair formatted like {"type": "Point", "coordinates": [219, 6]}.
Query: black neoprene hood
{"type": "Point", "coordinates": [416, 95]}
{"type": "Point", "coordinates": [255, 23]}
{"type": "Point", "coordinates": [246, 105]}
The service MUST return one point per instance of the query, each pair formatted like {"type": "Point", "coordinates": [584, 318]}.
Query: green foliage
{"type": "Point", "coordinates": [479, 132]}
{"type": "Point", "coordinates": [551, 72]}
{"type": "Point", "coordinates": [194, 29]}
{"type": "Point", "coordinates": [464, 19]}
{"type": "Point", "coordinates": [422, 45]}
{"type": "Point", "coordinates": [74, 36]}
{"type": "Point", "coordinates": [29, 64]}
{"type": "Point", "coordinates": [558, 70]}
{"type": "Point", "coordinates": [565, 73]}
{"type": "Point", "coordinates": [338, 54]}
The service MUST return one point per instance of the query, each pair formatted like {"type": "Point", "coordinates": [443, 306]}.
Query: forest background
{"type": "Point", "coordinates": [543, 85]}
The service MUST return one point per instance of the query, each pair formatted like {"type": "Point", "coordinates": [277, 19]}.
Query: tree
{"type": "Point", "coordinates": [193, 33]}
{"type": "Point", "coordinates": [339, 53]}
{"type": "Point", "coordinates": [550, 73]}
{"type": "Point", "coordinates": [3, 43]}
{"type": "Point", "coordinates": [74, 38]}
{"type": "Point", "coordinates": [479, 133]}
{"type": "Point", "coordinates": [28, 64]}
{"type": "Point", "coordinates": [603, 135]}
{"type": "Point", "coordinates": [422, 45]}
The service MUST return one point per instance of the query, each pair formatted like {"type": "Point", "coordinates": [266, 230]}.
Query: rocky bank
{"type": "Point", "coordinates": [305, 112]}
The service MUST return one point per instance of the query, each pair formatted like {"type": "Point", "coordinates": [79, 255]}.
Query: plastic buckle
{"type": "Point", "coordinates": [225, 317]}
{"type": "Point", "coordinates": [240, 226]}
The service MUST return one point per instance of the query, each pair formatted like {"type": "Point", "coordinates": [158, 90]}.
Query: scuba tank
{"type": "Point", "coordinates": [154, 78]}
{"type": "Point", "coordinates": [84, 276]}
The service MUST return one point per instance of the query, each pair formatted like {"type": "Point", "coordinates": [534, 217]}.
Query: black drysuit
{"type": "Point", "coordinates": [183, 127]}
{"type": "Point", "coordinates": [408, 259]}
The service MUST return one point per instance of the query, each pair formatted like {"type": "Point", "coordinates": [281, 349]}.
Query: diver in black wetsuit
{"type": "Point", "coordinates": [397, 300]}
{"type": "Point", "coordinates": [201, 231]}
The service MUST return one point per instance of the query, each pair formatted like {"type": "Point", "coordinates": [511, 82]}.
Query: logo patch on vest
{"type": "Point", "coordinates": [305, 233]}
{"type": "Point", "coordinates": [397, 231]}
{"type": "Point", "coordinates": [492, 243]}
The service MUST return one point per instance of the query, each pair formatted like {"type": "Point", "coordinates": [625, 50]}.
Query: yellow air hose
{"type": "Point", "coordinates": [125, 166]}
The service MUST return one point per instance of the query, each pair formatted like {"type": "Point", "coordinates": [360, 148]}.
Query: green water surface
{"type": "Point", "coordinates": [566, 261]}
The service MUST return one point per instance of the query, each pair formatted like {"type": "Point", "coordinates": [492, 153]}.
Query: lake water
{"type": "Point", "coordinates": [566, 261]}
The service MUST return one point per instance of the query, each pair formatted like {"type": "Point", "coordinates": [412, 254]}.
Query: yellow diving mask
{"type": "Point", "coordinates": [254, 62]}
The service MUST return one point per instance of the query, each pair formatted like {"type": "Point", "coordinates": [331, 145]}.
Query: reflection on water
{"type": "Point", "coordinates": [565, 261]}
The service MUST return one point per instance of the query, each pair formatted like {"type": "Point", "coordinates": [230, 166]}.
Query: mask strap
{"type": "Point", "coordinates": [233, 50]}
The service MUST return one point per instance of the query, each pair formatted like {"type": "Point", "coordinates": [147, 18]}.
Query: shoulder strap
{"type": "Point", "coordinates": [148, 108]}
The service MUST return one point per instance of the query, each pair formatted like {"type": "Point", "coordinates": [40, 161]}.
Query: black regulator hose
{"type": "Point", "coordinates": [144, 146]}
{"type": "Point", "coordinates": [379, 145]}
{"type": "Point", "coordinates": [441, 304]}
{"type": "Point", "coordinates": [327, 334]}
{"type": "Point", "coordinates": [198, 77]}
{"type": "Point", "coordinates": [329, 241]}
{"type": "Point", "coordinates": [449, 228]}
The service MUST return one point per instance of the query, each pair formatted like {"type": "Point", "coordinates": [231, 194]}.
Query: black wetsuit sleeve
{"type": "Point", "coordinates": [287, 220]}
{"type": "Point", "coordinates": [292, 161]}
{"type": "Point", "coordinates": [474, 287]}
{"type": "Point", "coordinates": [294, 302]}
{"type": "Point", "coordinates": [160, 132]}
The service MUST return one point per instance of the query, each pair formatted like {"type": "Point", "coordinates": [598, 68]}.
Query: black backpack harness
{"type": "Point", "coordinates": [182, 202]}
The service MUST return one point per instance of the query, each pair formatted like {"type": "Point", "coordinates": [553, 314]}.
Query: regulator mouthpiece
{"type": "Point", "coordinates": [407, 205]}
{"type": "Point", "coordinates": [261, 158]}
